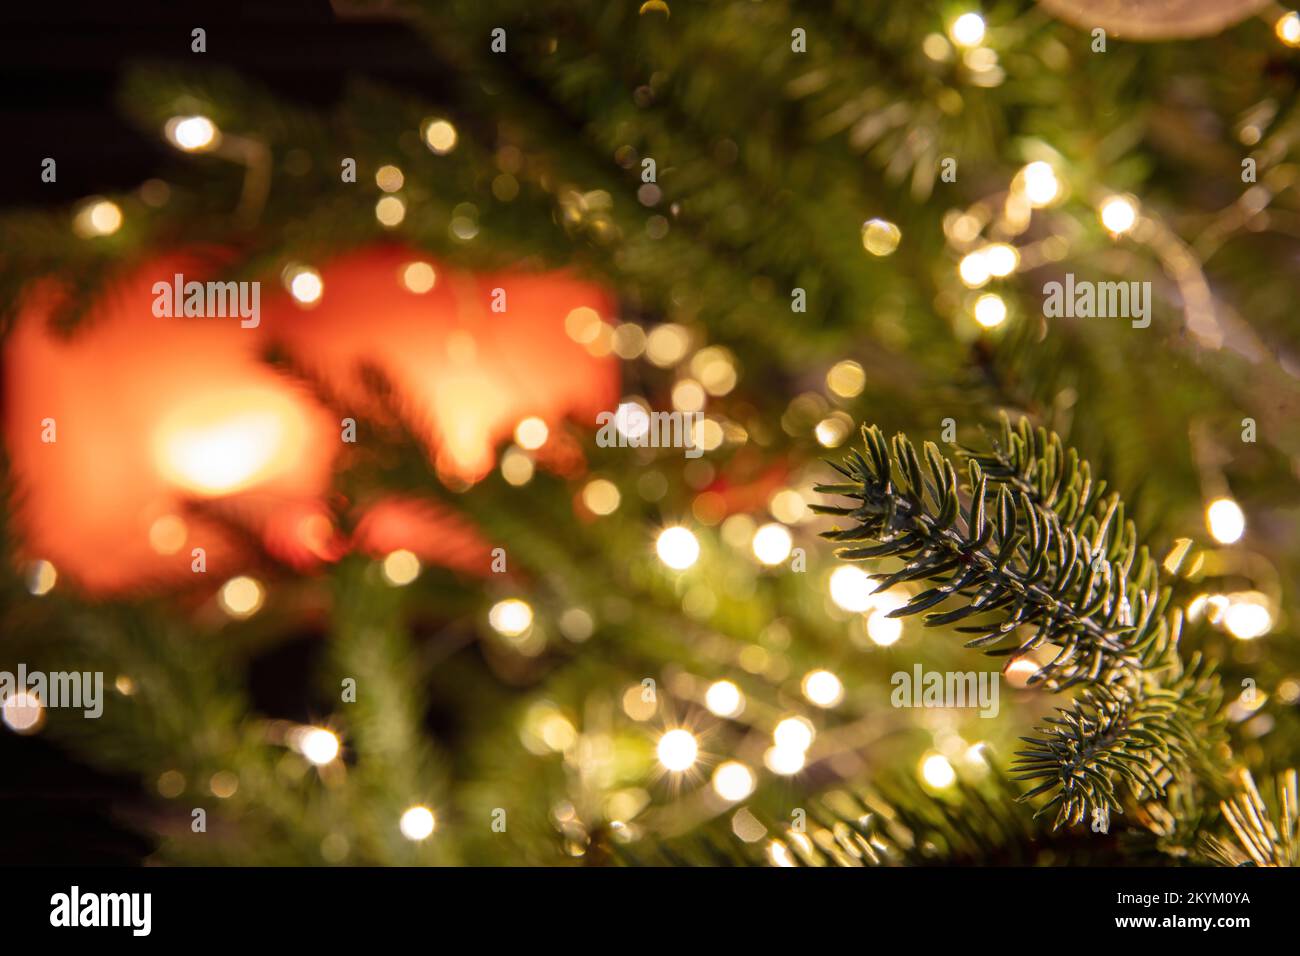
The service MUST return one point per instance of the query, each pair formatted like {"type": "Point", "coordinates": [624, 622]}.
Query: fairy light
{"type": "Point", "coordinates": [1118, 214]}
{"type": "Point", "coordinates": [677, 547]}
{"type": "Point", "coordinates": [22, 711]}
{"type": "Point", "coordinates": [304, 284]}
{"type": "Point", "coordinates": [785, 761]}
{"type": "Point", "coordinates": [318, 745]}
{"type": "Point", "coordinates": [389, 178]}
{"type": "Point", "coordinates": [1020, 670]}
{"type": "Point", "coordinates": [531, 433]}
{"type": "Point", "coordinates": [1039, 184]}
{"type": "Point", "coordinates": [1002, 259]}
{"type": "Point", "coordinates": [417, 823]}
{"type": "Point", "coordinates": [41, 578]}
{"type": "Point", "coordinates": [823, 688]}
{"type": "Point", "coordinates": [167, 534]}
{"type": "Point", "coordinates": [1225, 520]}
{"type": "Point", "coordinates": [974, 270]}
{"type": "Point", "coordinates": [440, 136]}
{"type": "Point", "coordinates": [724, 699]}
{"type": "Point", "coordinates": [390, 211]}
{"type": "Point", "coordinates": [1246, 617]}
{"type": "Point", "coordinates": [419, 277]}
{"type": "Point", "coordinates": [880, 237]}
{"type": "Point", "coordinates": [601, 496]}
{"type": "Point", "coordinates": [241, 596]}
{"type": "Point", "coordinates": [733, 781]}
{"type": "Point", "coordinates": [97, 217]}
{"type": "Point", "coordinates": [677, 750]}
{"type": "Point", "coordinates": [990, 311]}
{"type": "Point", "coordinates": [793, 733]}
{"type": "Point", "coordinates": [193, 134]}
{"type": "Point", "coordinates": [846, 379]}
{"type": "Point", "coordinates": [937, 772]}
{"type": "Point", "coordinates": [851, 588]}
{"type": "Point", "coordinates": [882, 629]}
{"type": "Point", "coordinates": [511, 617]}
{"type": "Point", "coordinates": [771, 544]}
{"type": "Point", "coordinates": [401, 567]}
{"type": "Point", "coordinates": [516, 467]}
{"type": "Point", "coordinates": [1287, 28]}
{"type": "Point", "coordinates": [967, 30]}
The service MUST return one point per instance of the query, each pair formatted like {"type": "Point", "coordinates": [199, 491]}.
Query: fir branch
{"type": "Point", "coordinates": [1038, 554]}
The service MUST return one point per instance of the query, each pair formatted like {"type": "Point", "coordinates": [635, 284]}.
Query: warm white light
{"type": "Point", "coordinates": [677, 548]}
{"type": "Point", "coordinates": [417, 823]}
{"type": "Point", "coordinates": [1118, 214]}
{"type": "Point", "coordinates": [439, 136]}
{"type": "Point", "coordinates": [41, 578]}
{"type": "Point", "coordinates": [318, 745]}
{"type": "Point", "coordinates": [224, 442]}
{"type": "Point", "coordinates": [22, 711]}
{"type": "Point", "coordinates": [1247, 620]}
{"type": "Point", "coordinates": [241, 597]}
{"type": "Point", "coordinates": [419, 277]}
{"type": "Point", "coordinates": [883, 629]}
{"type": "Point", "coordinates": [1287, 28]}
{"type": "Point", "coordinates": [1225, 519]}
{"type": "Point", "coordinates": [531, 433]}
{"type": "Point", "coordinates": [601, 496]}
{"type": "Point", "coordinates": [785, 761]}
{"type": "Point", "coordinates": [967, 30]}
{"type": "Point", "coordinates": [793, 733]}
{"type": "Point", "coordinates": [723, 698]}
{"type": "Point", "coordinates": [97, 217]}
{"type": "Point", "coordinates": [401, 567]}
{"type": "Point", "coordinates": [677, 750]}
{"type": "Point", "coordinates": [937, 771]}
{"type": "Point", "coordinates": [990, 311]}
{"type": "Point", "coordinates": [1001, 259]}
{"type": "Point", "coordinates": [851, 588]}
{"type": "Point", "coordinates": [823, 688]}
{"type": "Point", "coordinates": [510, 617]}
{"type": "Point", "coordinates": [733, 781]}
{"type": "Point", "coordinates": [880, 237]}
{"type": "Point", "coordinates": [305, 285]}
{"type": "Point", "coordinates": [771, 544]}
{"type": "Point", "coordinates": [974, 270]}
{"type": "Point", "coordinates": [192, 133]}
{"type": "Point", "coordinates": [1039, 183]}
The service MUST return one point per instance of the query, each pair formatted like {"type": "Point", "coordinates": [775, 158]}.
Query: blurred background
{"type": "Point", "coordinates": [430, 618]}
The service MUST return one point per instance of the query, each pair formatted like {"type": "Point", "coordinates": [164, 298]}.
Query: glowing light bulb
{"type": "Point", "coordinates": [1225, 519]}
{"type": "Point", "coordinates": [318, 745]}
{"type": "Point", "coordinates": [1287, 28]}
{"type": "Point", "coordinates": [785, 761]}
{"type": "Point", "coordinates": [990, 311]}
{"type": "Point", "coordinates": [511, 617]}
{"type": "Point", "coordinates": [417, 823]}
{"type": "Point", "coordinates": [531, 433]}
{"type": "Point", "coordinates": [967, 30]}
{"type": "Point", "coordinates": [241, 597]}
{"type": "Point", "coordinates": [823, 688]}
{"type": "Point", "coordinates": [193, 134]}
{"type": "Point", "coordinates": [880, 237]}
{"type": "Point", "coordinates": [851, 588]}
{"type": "Point", "coordinates": [974, 270]}
{"type": "Point", "coordinates": [439, 136]}
{"type": "Point", "coordinates": [677, 750]}
{"type": "Point", "coordinates": [1002, 259]}
{"type": "Point", "coordinates": [41, 578]}
{"type": "Point", "coordinates": [723, 698]}
{"type": "Point", "coordinates": [401, 567]}
{"type": "Point", "coordinates": [793, 733]}
{"type": "Point", "coordinates": [419, 277]}
{"type": "Point", "coordinates": [883, 629]}
{"type": "Point", "coordinates": [1118, 214]}
{"type": "Point", "coordinates": [771, 544]}
{"type": "Point", "coordinates": [97, 217]}
{"type": "Point", "coordinates": [1039, 183]}
{"type": "Point", "coordinates": [937, 772]}
{"type": "Point", "coordinates": [22, 711]}
{"type": "Point", "coordinates": [733, 781]}
{"type": "Point", "coordinates": [677, 548]}
{"type": "Point", "coordinates": [304, 284]}
{"type": "Point", "coordinates": [1246, 620]}
{"type": "Point", "coordinates": [601, 496]}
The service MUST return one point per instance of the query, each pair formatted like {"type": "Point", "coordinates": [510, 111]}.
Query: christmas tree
{"type": "Point", "coordinates": [824, 433]}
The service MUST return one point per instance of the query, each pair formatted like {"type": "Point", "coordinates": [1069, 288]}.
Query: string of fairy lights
{"type": "Point", "coordinates": [763, 730]}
